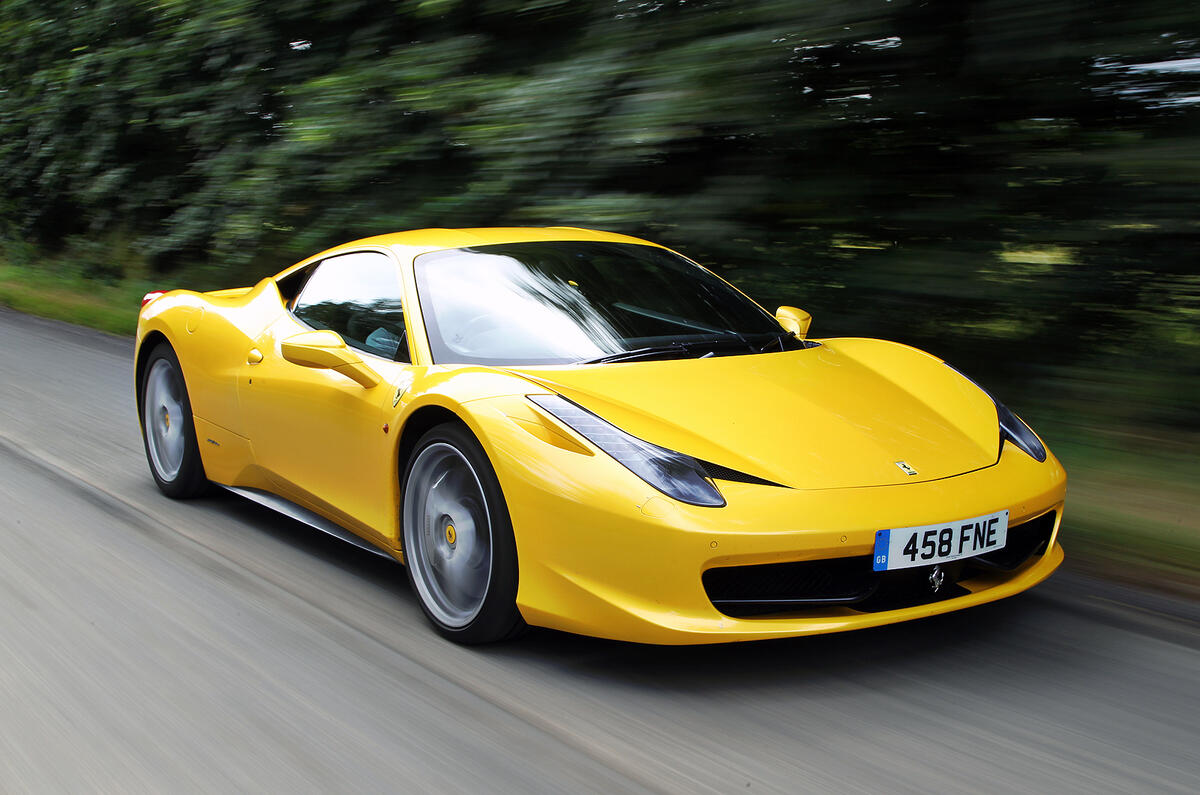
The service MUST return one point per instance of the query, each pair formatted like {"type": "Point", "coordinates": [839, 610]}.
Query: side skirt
{"type": "Point", "coordinates": [302, 514]}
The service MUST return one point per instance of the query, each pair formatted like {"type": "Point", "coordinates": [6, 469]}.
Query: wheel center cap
{"type": "Point", "coordinates": [166, 418]}
{"type": "Point", "coordinates": [451, 536]}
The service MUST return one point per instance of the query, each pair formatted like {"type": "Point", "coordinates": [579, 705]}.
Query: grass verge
{"type": "Point", "coordinates": [1133, 505]}
{"type": "Point", "coordinates": [108, 307]}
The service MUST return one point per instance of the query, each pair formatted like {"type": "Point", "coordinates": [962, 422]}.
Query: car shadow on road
{"type": "Point", "coordinates": [938, 641]}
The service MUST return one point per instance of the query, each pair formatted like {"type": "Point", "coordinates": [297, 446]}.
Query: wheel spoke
{"type": "Point", "coordinates": [174, 445]}
{"type": "Point", "coordinates": [163, 418]}
{"type": "Point", "coordinates": [450, 551]}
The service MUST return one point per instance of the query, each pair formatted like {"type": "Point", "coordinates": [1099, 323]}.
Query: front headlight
{"type": "Point", "coordinates": [1016, 431]}
{"type": "Point", "coordinates": [1012, 427]}
{"type": "Point", "coordinates": [674, 474]}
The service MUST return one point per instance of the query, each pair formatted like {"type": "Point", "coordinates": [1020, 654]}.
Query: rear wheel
{"type": "Point", "coordinates": [459, 548]}
{"type": "Point", "coordinates": [168, 430]}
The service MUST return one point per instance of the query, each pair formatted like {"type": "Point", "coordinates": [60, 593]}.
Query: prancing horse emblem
{"type": "Point", "coordinates": [936, 579]}
{"type": "Point", "coordinates": [905, 468]}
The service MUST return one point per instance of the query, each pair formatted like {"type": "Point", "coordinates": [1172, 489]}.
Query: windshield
{"type": "Point", "coordinates": [560, 302]}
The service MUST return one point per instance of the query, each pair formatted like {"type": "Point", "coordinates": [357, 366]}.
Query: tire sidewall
{"type": "Point", "coordinates": [498, 617]}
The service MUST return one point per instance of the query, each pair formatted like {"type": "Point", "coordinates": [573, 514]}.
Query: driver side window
{"type": "Point", "coordinates": [359, 296]}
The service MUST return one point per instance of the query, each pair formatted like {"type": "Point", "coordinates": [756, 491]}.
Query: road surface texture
{"type": "Point", "coordinates": [148, 645]}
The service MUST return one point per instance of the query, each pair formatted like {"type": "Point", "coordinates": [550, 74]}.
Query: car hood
{"type": "Point", "coordinates": [844, 414]}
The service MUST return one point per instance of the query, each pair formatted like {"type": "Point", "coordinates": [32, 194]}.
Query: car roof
{"type": "Point", "coordinates": [434, 239]}
{"type": "Point", "coordinates": [411, 243]}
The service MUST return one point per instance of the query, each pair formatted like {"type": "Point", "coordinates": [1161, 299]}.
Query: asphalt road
{"type": "Point", "coordinates": [152, 645]}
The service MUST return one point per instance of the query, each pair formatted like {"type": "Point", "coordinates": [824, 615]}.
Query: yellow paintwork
{"type": "Point", "coordinates": [280, 407]}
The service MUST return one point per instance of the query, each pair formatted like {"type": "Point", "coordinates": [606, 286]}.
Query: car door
{"type": "Point", "coordinates": [318, 435]}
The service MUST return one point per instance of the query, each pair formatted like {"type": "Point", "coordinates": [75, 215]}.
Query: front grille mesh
{"type": "Point", "coordinates": [776, 585]}
{"type": "Point", "coordinates": [1024, 540]}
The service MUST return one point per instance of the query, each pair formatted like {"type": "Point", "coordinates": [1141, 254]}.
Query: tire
{"type": "Point", "coordinates": [458, 542]}
{"type": "Point", "coordinates": [168, 429]}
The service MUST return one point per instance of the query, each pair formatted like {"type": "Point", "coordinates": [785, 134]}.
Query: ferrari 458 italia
{"type": "Point", "coordinates": [586, 431]}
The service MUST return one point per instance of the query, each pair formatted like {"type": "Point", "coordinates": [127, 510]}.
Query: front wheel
{"type": "Point", "coordinates": [459, 548]}
{"type": "Point", "coordinates": [168, 430]}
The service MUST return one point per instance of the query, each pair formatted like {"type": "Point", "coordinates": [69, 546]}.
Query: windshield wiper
{"type": "Point", "coordinates": [698, 348]}
{"type": "Point", "coordinates": [782, 338]}
{"type": "Point", "coordinates": [648, 352]}
{"type": "Point", "coordinates": [777, 339]}
{"type": "Point", "coordinates": [704, 348]}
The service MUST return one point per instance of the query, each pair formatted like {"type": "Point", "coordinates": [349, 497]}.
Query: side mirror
{"type": "Point", "coordinates": [325, 350]}
{"type": "Point", "coordinates": [794, 319]}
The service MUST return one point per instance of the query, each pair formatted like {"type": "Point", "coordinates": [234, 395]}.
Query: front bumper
{"type": "Point", "coordinates": [601, 553]}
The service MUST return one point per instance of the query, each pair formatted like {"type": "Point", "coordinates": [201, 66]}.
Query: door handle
{"type": "Point", "coordinates": [254, 356]}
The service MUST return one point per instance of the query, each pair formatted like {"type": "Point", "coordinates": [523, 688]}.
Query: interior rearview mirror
{"type": "Point", "coordinates": [325, 350]}
{"type": "Point", "coordinates": [794, 319]}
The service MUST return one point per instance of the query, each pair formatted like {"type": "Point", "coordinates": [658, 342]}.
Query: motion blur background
{"type": "Point", "coordinates": [1009, 184]}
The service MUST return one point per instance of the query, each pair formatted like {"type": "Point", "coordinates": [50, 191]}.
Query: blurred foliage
{"type": "Point", "coordinates": [1011, 184]}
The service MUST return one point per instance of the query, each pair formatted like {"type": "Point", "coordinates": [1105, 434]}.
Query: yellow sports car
{"type": "Point", "coordinates": [586, 431]}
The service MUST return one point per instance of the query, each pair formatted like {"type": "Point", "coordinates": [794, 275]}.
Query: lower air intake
{"type": "Point", "coordinates": [775, 588]}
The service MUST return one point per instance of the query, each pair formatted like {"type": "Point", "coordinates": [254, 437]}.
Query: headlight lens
{"type": "Point", "coordinates": [1012, 427]}
{"type": "Point", "coordinates": [1016, 431]}
{"type": "Point", "coordinates": [674, 474]}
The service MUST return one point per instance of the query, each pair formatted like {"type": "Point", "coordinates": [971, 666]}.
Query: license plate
{"type": "Point", "coordinates": [908, 547]}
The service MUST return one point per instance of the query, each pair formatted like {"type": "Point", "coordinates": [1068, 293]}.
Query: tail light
{"type": "Point", "coordinates": [148, 297]}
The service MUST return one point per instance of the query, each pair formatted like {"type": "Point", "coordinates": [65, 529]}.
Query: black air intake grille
{"type": "Point", "coordinates": [778, 587]}
{"type": "Point", "coordinates": [1024, 541]}
{"type": "Point", "coordinates": [775, 588]}
{"type": "Point", "coordinates": [718, 472]}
